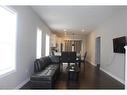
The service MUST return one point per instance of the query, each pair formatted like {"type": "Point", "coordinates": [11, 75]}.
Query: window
{"type": "Point", "coordinates": [47, 44]}
{"type": "Point", "coordinates": [8, 19]}
{"type": "Point", "coordinates": [39, 41]}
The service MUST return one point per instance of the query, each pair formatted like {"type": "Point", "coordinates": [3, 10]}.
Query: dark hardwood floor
{"type": "Point", "coordinates": [90, 77]}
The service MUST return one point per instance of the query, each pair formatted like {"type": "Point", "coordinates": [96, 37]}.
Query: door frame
{"type": "Point", "coordinates": [98, 51]}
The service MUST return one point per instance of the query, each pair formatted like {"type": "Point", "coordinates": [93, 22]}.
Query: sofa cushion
{"type": "Point", "coordinates": [45, 75]}
{"type": "Point", "coordinates": [55, 59]}
{"type": "Point", "coordinates": [39, 65]}
{"type": "Point", "coordinates": [47, 60]}
{"type": "Point", "coordinates": [53, 67]}
{"type": "Point", "coordinates": [43, 63]}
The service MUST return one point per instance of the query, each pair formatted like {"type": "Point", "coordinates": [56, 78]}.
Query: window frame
{"type": "Point", "coordinates": [39, 43]}
{"type": "Point", "coordinates": [47, 53]}
{"type": "Point", "coordinates": [14, 44]}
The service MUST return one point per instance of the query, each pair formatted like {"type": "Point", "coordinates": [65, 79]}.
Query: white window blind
{"type": "Point", "coordinates": [39, 43]}
{"type": "Point", "coordinates": [8, 19]}
{"type": "Point", "coordinates": [47, 44]}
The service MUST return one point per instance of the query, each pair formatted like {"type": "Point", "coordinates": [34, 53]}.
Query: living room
{"type": "Point", "coordinates": [110, 22]}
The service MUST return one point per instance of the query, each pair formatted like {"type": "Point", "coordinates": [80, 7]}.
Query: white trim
{"type": "Point", "coordinates": [113, 76]}
{"type": "Point", "coordinates": [91, 63]}
{"type": "Point", "coordinates": [8, 73]}
{"type": "Point", "coordinates": [125, 67]}
{"type": "Point", "coordinates": [23, 83]}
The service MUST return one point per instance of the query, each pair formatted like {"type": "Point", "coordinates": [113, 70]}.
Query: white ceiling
{"type": "Point", "coordinates": [74, 18]}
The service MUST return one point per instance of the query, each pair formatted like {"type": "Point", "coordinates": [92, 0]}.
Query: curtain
{"type": "Point", "coordinates": [76, 43]}
{"type": "Point", "coordinates": [77, 46]}
{"type": "Point", "coordinates": [68, 45]}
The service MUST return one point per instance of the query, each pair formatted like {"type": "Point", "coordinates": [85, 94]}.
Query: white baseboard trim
{"type": "Point", "coordinates": [91, 63]}
{"type": "Point", "coordinates": [113, 76]}
{"type": "Point", "coordinates": [23, 83]}
{"type": "Point", "coordinates": [118, 79]}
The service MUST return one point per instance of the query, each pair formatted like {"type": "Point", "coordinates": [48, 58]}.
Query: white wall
{"type": "Point", "coordinates": [112, 63]}
{"type": "Point", "coordinates": [90, 47]}
{"type": "Point", "coordinates": [27, 24]}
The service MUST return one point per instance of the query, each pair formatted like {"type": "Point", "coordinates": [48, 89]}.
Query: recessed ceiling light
{"type": "Point", "coordinates": [65, 30]}
{"type": "Point", "coordinates": [83, 30]}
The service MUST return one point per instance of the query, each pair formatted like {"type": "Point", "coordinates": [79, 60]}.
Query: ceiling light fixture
{"type": "Point", "coordinates": [83, 30]}
{"type": "Point", "coordinates": [65, 30]}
